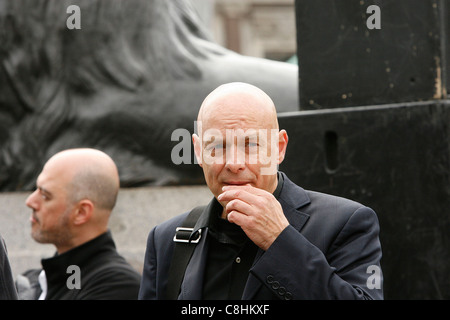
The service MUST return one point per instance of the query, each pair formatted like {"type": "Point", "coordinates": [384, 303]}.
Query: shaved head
{"type": "Point", "coordinates": [91, 174]}
{"type": "Point", "coordinates": [239, 98]}
{"type": "Point", "coordinates": [75, 194]}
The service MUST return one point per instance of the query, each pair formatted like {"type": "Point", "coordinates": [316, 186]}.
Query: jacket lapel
{"type": "Point", "coordinates": [292, 198]}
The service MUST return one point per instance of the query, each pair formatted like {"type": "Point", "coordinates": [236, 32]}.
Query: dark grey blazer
{"type": "Point", "coordinates": [330, 250]}
{"type": "Point", "coordinates": [7, 287]}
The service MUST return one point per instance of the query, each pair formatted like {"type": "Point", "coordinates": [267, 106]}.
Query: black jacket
{"type": "Point", "coordinates": [330, 250]}
{"type": "Point", "coordinates": [103, 274]}
{"type": "Point", "coordinates": [7, 288]}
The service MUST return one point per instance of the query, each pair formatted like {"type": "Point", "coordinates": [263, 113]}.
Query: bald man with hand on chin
{"type": "Point", "coordinates": [74, 197]}
{"type": "Point", "coordinates": [261, 236]}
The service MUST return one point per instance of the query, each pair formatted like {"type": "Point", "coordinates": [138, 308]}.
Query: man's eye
{"type": "Point", "coordinates": [44, 196]}
{"type": "Point", "coordinates": [214, 146]}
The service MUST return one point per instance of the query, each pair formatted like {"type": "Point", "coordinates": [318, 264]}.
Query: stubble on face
{"type": "Point", "coordinates": [57, 234]}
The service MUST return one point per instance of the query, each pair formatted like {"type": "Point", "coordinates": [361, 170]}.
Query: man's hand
{"type": "Point", "coordinates": [256, 211]}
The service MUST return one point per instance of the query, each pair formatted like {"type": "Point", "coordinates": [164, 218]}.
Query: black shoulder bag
{"type": "Point", "coordinates": [185, 242]}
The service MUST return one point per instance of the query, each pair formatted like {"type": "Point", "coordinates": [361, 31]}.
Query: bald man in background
{"type": "Point", "coordinates": [74, 197]}
{"type": "Point", "coordinates": [261, 237]}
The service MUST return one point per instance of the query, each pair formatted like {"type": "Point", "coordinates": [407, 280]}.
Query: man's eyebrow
{"type": "Point", "coordinates": [44, 190]}
{"type": "Point", "coordinates": [215, 139]}
{"type": "Point", "coordinates": [212, 139]}
{"type": "Point", "coordinates": [251, 136]}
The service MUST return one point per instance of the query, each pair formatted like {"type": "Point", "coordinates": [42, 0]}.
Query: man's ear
{"type": "Point", "coordinates": [84, 212]}
{"type": "Point", "coordinates": [282, 145]}
{"type": "Point", "coordinates": [197, 148]}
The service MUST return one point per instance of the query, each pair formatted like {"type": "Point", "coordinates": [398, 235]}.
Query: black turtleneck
{"type": "Point", "coordinates": [104, 274]}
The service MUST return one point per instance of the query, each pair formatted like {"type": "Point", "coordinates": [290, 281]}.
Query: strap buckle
{"type": "Point", "coordinates": [184, 235]}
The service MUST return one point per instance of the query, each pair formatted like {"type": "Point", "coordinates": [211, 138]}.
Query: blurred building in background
{"type": "Point", "coordinates": [258, 28]}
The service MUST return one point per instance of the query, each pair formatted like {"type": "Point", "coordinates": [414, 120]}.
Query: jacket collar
{"type": "Point", "coordinates": [292, 199]}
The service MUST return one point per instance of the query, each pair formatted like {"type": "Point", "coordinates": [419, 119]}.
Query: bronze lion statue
{"type": "Point", "coordinates": [136, 71]}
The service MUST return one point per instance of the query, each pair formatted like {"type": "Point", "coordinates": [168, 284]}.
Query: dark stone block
{"type": "Point", "coordinates": [344, 63]}
{"type": "Point", "coordinates": [396, 160]}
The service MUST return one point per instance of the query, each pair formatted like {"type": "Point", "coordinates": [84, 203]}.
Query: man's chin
{"type": "Point", "coordinates": [39, 238]}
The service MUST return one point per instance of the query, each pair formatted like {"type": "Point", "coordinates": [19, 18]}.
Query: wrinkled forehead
{"type": "Point", "coordinates": [240, 136]}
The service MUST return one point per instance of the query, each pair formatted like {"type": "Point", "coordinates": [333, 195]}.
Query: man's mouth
{"type": "Point", "coordinates": [33, 219]}
{"type": "Point", "coordinates": [236, 183]}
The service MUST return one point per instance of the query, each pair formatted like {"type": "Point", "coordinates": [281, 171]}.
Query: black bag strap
{"type": "Point", "coordinates": [185, 242]}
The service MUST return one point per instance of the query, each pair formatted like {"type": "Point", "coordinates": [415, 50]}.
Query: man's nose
{"type": "Point", "coordinates": [31, 200]}
{"type": "Point", "coordinates": [235, 159]}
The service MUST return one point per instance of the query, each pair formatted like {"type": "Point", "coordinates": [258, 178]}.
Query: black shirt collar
{"type": "Point", "coordinates": [277, 191]}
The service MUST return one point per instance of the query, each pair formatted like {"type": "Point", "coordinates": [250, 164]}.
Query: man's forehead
{"type": "Point", "coordinates": [237, 94]}
{"type": "Point", "coordinates": [235, 105]}
{"type": "Point", "coordinates": [237, 89]}
{"type": "Point", "coordinates": [45, 185]}
{"type": "Point", "coordinates": [238, 114]}
{"type": "Point", "coordinates": [45, 180]}
{"type": "Point", "coordinates": [235, 132]}
{"type": "Point", "coordinates": [52, 178]}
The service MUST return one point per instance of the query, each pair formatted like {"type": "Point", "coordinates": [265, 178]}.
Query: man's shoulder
{"type": "Point", "coordinates": [297, 195]}
{"type": "Point", "coordinates": [172, 222]}
{"type": "Point", "coordinates": [105, 259]}
{"type": "Point", "coordinates": [334, 200]}
{"type": "Point", "coordinates": [109, 276]}
{"type": "Point", "coordinates": [327, 207]}
{"type": "Point", "coordinates": [321, 203]}
{"type": "Point", "coordinates": [166, 230]}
